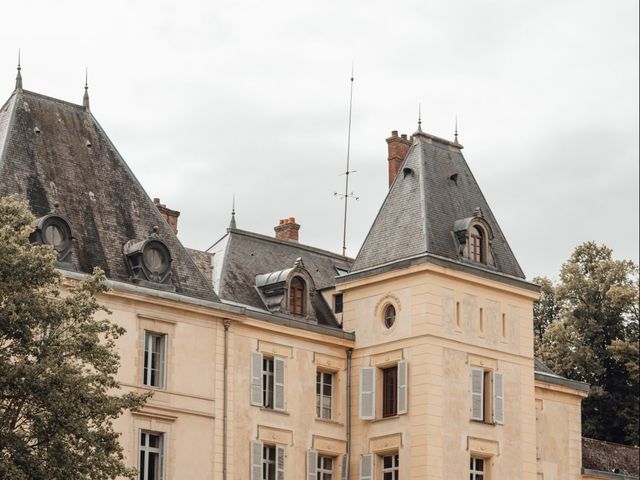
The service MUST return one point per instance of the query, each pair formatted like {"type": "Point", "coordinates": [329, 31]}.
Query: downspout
{"type": "Point", "coordinates": [348, 462]}
{"type": "Point", "coordinates": [227, 322]}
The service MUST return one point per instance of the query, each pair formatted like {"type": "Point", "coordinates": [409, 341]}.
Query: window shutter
{"type": "Point", "coordinates": [278, 384]}
{"type": "Point", "coordinates": [366, 467]}
{"type": "Point", "coordinates": [279, 462]}
{"type": "Point", "coordinates": [498, 398]}
{"type": "Point", "coordinates": [345, 467]}
{"type": "Point", "coordinates": [477, 394]}
{"type": "Point", "coordinates": [312, 465]}
{"type": "Point", "coordinates": [163, 357]}
{"type": "Point", "coordinates": [367, 393]}
{"type": "Point", "coordinates": [256, 379]}
{"type": "Point", "coordinates": [256, 460]}
{"type": "Point", "coordinates": [403, 379]}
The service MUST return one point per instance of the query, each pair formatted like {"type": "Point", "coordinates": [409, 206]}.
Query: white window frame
{"type": "Point", "coordinates": [149, 450]}
{"type": "Point", "coordinates": [147, 359]}
{"type": "Point", "coordinates": [394, 469]}
{"type": "Point", "coordinates": [323, 473]}
{"type": "Point", "coordinates": [474, 473]}
{"type": "Point", "coordinates": [320, 413]}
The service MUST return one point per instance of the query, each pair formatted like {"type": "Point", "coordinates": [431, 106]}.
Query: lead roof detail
{"type": "Point", "coordinates": [433, 190]}
{"type": "Point", "coordinates": [55, 152]}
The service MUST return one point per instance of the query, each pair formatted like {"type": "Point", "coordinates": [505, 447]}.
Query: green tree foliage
{"type": "Point", "coordinates": [587, 330]}
{"type": "Point", "coordinates": [58, 393]}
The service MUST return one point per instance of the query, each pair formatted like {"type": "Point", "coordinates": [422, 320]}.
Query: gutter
{"type": "Point", "coordinates": [345, 474]}
{"type": "Point", "coordinates": [227, 323]}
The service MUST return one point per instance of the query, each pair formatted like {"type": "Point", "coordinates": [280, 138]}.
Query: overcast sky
{"type": "Point", "coordinates": [207, 98]}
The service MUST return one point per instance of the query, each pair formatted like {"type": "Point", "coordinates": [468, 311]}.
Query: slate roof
{"type": "Point", "coordinates": [422, 206]}
{"type": "Point", "coordinates": [105, 204]}
{"type": "Point", "coordinates": [240, 256]}
{"type": "Point", "coordinates": [609, 457]}
{"type": "Point", "coordinates": [545, 374]}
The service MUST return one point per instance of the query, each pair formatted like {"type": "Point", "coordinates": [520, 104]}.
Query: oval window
{"type": "Point", "coordinates": [389, 316]}
{"type": "Point", "coordinates": [54, 236]}
{"type": "Point", "coordinates": [156, 258]}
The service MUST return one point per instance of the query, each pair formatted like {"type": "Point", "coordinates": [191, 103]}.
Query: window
{"type": "Point", "coordinates": [390, 392]}
{"type": "Point", "coordinates": [325, 468]}
{"type": "Point", "coordinates": [477, 469]}
{"type": "Point", "coordinates": [155, 347]}
{"type": "Point", "coordinates": [297, 296]}
{"type": "Point", "coordinates": [391, 467]}
{"type": "Point", "coordinates": [481, 321]}
{"type": "Point", "coordinates": [337, 303]}
{"type": "Point", "coordinates": [389, 316]}
{"type": "Point", "coordinates": [267, 461]}
{"type": "Point", "coordinates": [458, 316]}
{"type": "Point", "coordinates": [151, 456]}
{"type": "Point", "coordinates": [267, 381]}
{"type": "Point", "coordinates": [487, 396]}
{"type": "Point", "coordinates": [476, 244]}
{"type": "Point", "coordinates": [393, 396]}
{"type": "Point", "coordinates": [324, 394]}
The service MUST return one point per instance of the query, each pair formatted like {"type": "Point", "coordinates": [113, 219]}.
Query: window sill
{"type": "Point", "coordinates": [382, 419]}
{"type": "Point", "coordinates": [482, 422]}
{"type": "Point", "coordinates": [279, 412]}
{"type": "Point", "coordinates": [334, 422]}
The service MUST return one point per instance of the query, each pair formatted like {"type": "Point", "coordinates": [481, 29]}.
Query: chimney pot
{"type": "Point", "coordinates": [171, 216]}
{"type": "Point", "coordinates": [394, 133]}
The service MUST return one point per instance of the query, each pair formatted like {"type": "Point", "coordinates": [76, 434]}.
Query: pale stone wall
{"type": "Point", "coordinates": [437, 435]}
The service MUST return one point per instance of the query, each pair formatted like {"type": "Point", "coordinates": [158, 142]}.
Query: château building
{"type": "Point", "coordinates": [270, 359]}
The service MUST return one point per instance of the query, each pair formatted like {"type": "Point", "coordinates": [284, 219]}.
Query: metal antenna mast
{"type": "Point", "coordinates": [346, 196]}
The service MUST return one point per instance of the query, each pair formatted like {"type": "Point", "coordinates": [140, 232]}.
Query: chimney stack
{"type": "Point", "coordinates": [287, 230]}
{"type": "Point", "coordinates": [398, 148]}
{"type": "Point", "coordinates": [171, 216]}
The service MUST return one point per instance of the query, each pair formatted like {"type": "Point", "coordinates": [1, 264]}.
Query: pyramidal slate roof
{"type": "Point", "coordinates": [55, 152]}
{"type": "Point", "coordinates": [240, 256]}
{"type": "Point", "coordinates": [433, 189]}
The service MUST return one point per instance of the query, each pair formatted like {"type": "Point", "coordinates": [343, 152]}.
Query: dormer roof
{"type": "Point", "coordinates": [55, 152]}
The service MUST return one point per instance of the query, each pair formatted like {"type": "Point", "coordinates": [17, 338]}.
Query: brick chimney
{"type": "Point", "coordinates": [398, 148]}
{"type": "Point", "coordinates": [287, 229]}
{"type": "Point", "coordinates": [171, 216]}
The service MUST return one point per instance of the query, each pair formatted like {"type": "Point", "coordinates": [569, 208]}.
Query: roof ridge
{"type": "Point", "coordinates": [52, 99]}
{"type": "Point", "coordinates": [302, 246]}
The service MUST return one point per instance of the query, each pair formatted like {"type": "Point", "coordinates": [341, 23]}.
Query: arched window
{"type": "Point", "coordinates": [297, 296]}
{"type": "Point", "coordinates": [476, 244]}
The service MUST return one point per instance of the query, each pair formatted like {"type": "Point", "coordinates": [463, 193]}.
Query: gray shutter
{"type": "Point", "coordinates": [278, 384]}
{"type": "Point", "coordinates": [498, 398]}
{"type": "Point", "coordinates": [163, 357]}
{"type": "Point", "coordinates": [403, 382]}
{"type": "Point", "coordinates": [256, 460]}
{"type": "Point", "coordinates": [279, 462]}
{"type": "Point", "coordinates": [312, 465]}
{"type": "Point", "coordinates": [256, 379]}
{"type": "Point", "coordinates": [345, 467]}
{"type": "Point", "coordinates": [477, 394]}
{"type": "Point", "coordinates": [366, 467]}
{"type": "Point", "coordinates": [367, 393]}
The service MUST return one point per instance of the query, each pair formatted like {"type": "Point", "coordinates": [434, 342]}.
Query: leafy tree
{"type": "Point", "coordinates": [587, 330]}
{"type": "Point", "coordinates": [58, 393]}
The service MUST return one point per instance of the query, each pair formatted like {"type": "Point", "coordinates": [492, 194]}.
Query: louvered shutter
{"type": "Point", "coordinates": [403, 379]}
{"type": "Point", "coordinates": [345, 467]}
{"type": "Point", "coordinates": [256, 379]}
{"type": "Point", "coordinates": [278, 384]}
{"type": "Point", "coordinates": [366, 467]}
{"type": "Point", "coordinates": [498, 398]}
{"type": "Point", "coordinates": [312, 465]}
{"type": "Point", "coordinates": [477, 394]}
{"type": "Point", "coordinates": [279, 462]}
{"type": "Point", "coordinates": [367, 393]}
{"type": "Point", "coordinates": [256, 460]}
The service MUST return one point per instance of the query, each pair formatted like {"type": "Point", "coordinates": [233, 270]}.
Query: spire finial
{"type": "Point", "coordinates": [232, 223]}
{"type": "Point", "coordinates": [19, 75]}
{"type": "Point", "coordinates": [85, 99]}
{"type": "Point", "coordinates": [455, 135]}
{"type": "Point", "coordinates": [420, 117]}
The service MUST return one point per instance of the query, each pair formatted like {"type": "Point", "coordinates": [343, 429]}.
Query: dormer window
{"type": "Point", "coordinates": [149, 261]}
{"type": "Point", "coordinates": [297, 296]}
{"type": "Point", "coordinates": [54, 230]}
{"type": "Point", "coordinates": [476, 244]}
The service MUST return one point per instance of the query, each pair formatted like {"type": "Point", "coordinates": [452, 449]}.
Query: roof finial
{"type": "Point", "coordinates": [455, 135]}
{"type": "Point", "coordinates": [232, 223]}
{"type": "Point", "coordinates": [419, 117]}
{"type": "Point", "coordinates": [19, 75]}
{"type": "Point", "coordinates": [85, 99]}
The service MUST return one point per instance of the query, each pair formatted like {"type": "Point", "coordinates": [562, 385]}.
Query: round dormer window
{"type": "Point", "coordinates": [156, 258]}
{"type": "Point", "coordinates": [56, 232]}
{"type": "Point", "coordinates": [389, 316]}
